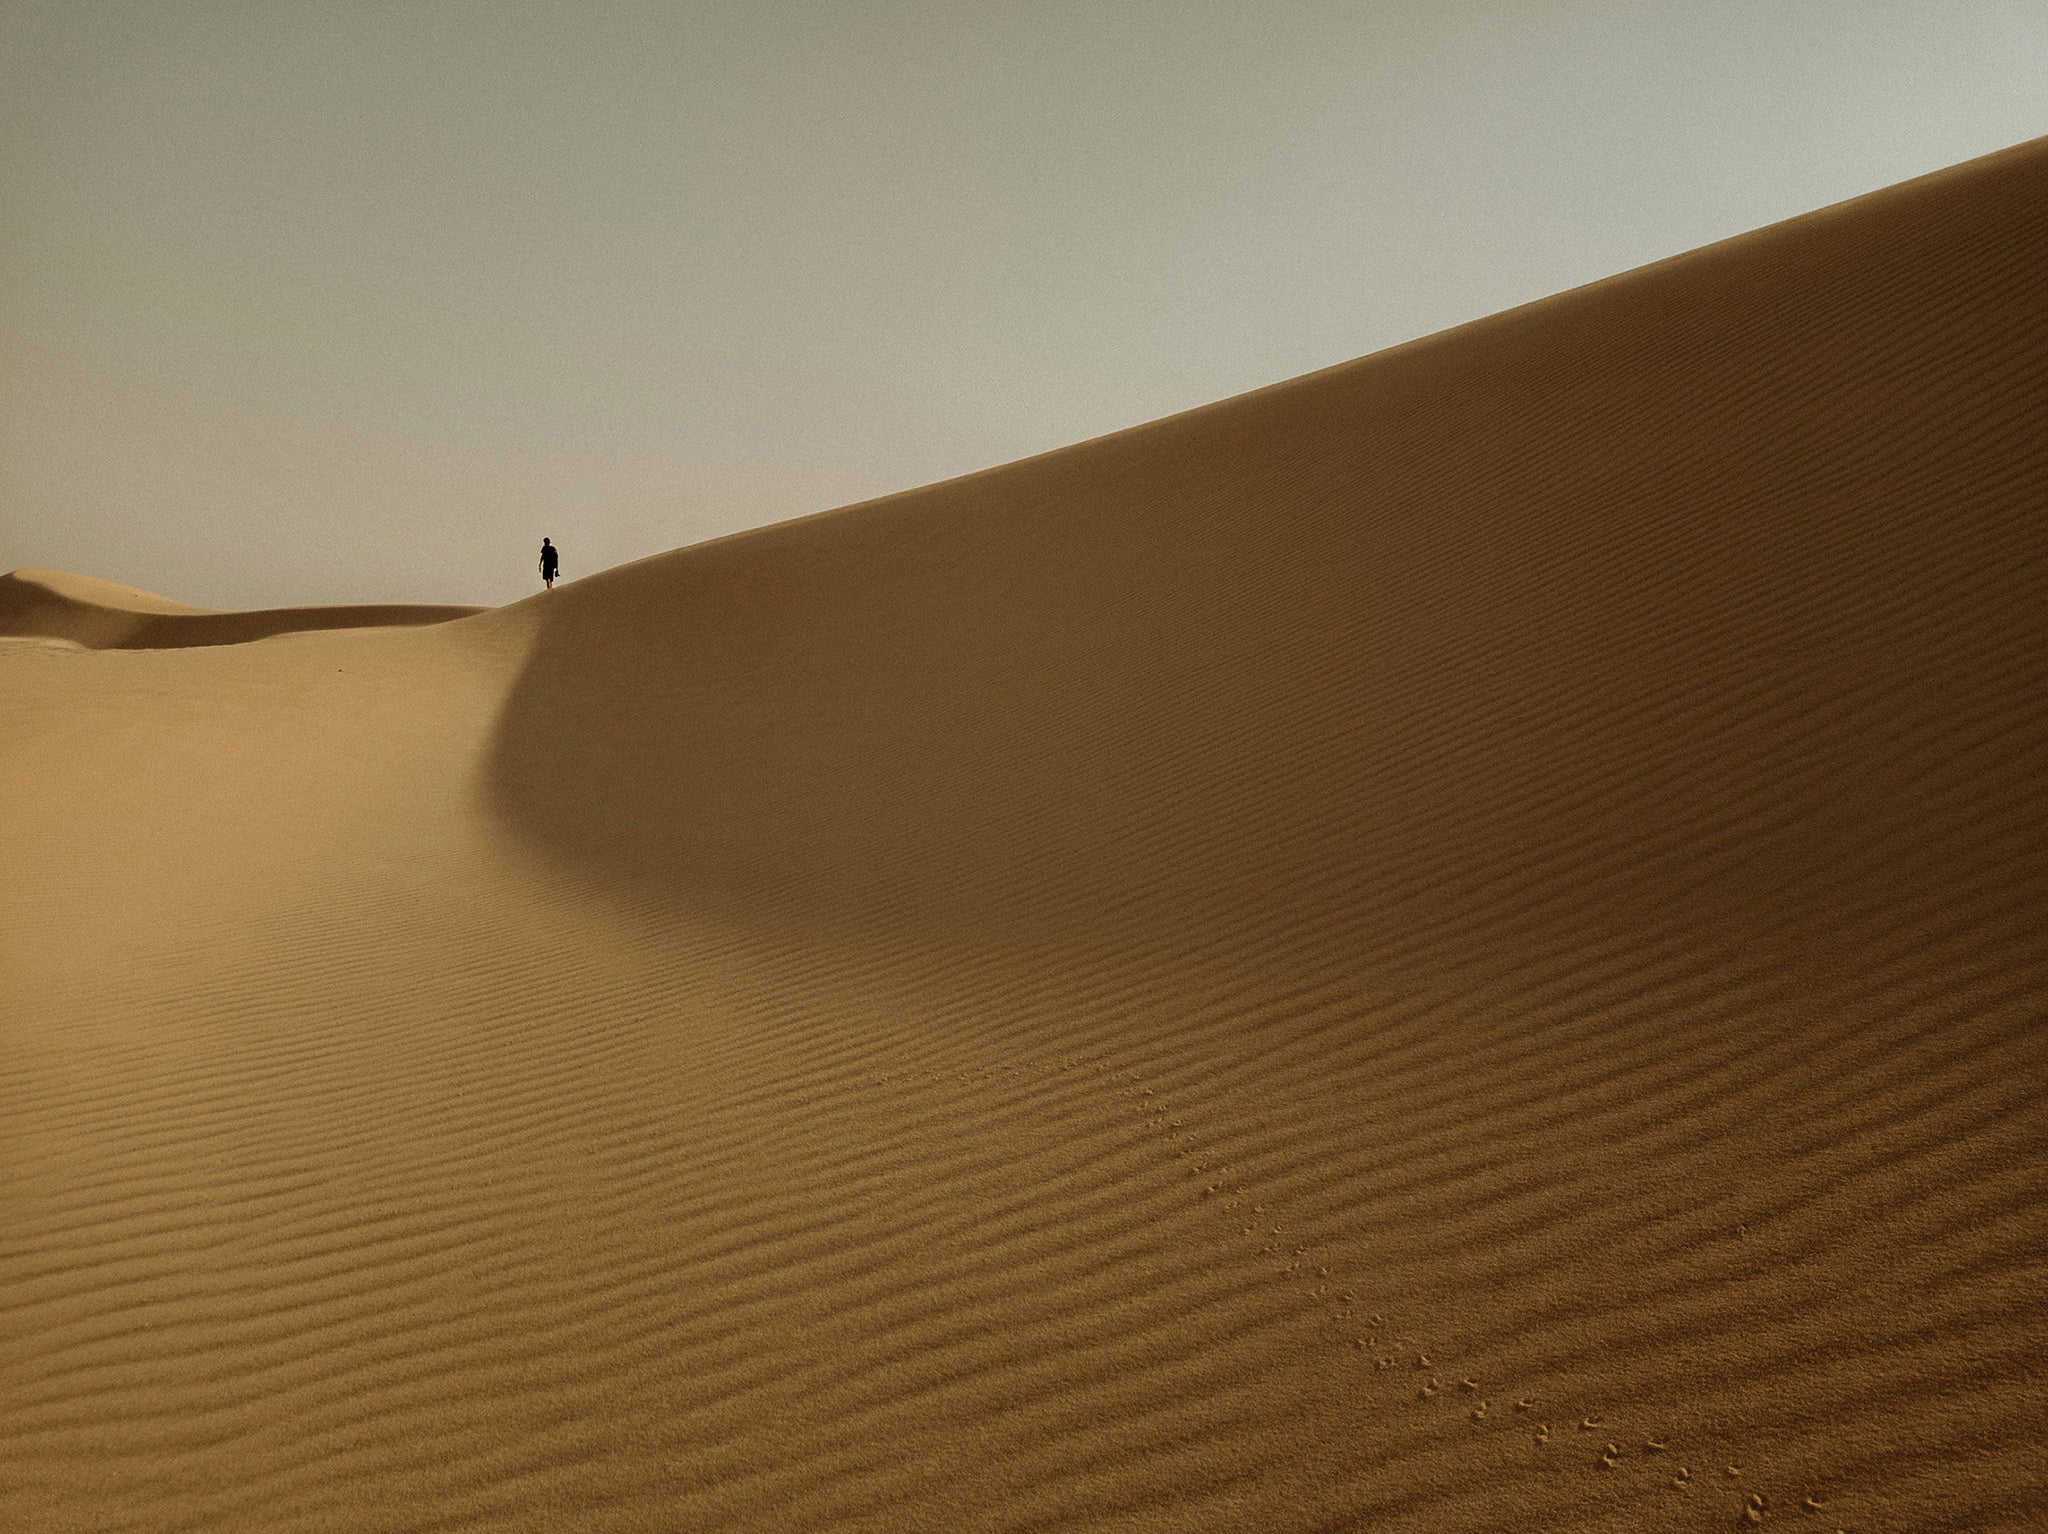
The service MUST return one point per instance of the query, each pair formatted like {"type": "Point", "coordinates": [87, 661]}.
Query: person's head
{"type": "Point", "coordinates": [544, 543]}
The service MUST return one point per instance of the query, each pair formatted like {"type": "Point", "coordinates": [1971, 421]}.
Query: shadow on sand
{"type": "Point", "coordinates": [1611, 612]}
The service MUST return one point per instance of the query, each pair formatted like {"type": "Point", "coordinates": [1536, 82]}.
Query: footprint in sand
{"type": "Point", "coordinates": [1590, 1424]}
{"type": "Point", "coordinates": [1468, 1383]}
{"type": "Point", "coordinates": [1543, 1432]}
{"type": "Point", "coordinates": [1525, 1404]}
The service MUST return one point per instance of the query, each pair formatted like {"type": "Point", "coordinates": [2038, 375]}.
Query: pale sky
{"type": "Point", "coordinates": [340, 302]}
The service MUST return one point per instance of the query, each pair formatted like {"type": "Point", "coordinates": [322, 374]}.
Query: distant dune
{"type": "Point", "coordinates": [1458, 943]}
{"type": "Point", "coordinates": [100, 615]}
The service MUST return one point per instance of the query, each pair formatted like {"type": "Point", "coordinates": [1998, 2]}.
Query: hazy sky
{"type": "Point", "coordinates": [306, 302]}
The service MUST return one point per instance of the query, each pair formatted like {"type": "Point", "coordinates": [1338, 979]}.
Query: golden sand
{"type": "Point", "coordinates": [1455, 944]}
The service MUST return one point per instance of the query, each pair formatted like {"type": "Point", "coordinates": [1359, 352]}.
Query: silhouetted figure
{"type": "Point", "coordinates": [550, 562]}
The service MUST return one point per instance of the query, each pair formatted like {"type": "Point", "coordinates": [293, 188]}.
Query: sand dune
{"type": "Point", "coordinates": [101, 615]}
{"type": "Point", "coordinates": [1455, 944]}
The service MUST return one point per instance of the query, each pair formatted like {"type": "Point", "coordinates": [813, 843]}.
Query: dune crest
{"type": "Point", "coordinates": [102, 615]}
{"type": "Point", "coordinates": [1453, 944]}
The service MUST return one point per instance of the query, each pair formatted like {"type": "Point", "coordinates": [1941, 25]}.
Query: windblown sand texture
{"type": "Point", "coordinates": [1455, 944]}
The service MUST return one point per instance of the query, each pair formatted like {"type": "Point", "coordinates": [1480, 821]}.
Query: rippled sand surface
{"type": "Point", "coordinates": [1456, 944]}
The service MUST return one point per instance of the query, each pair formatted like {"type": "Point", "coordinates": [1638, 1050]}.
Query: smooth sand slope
{"type": "Point", "coordinates": [100, 615]}
{"type": "Point", "coordinates": [1456, 944]}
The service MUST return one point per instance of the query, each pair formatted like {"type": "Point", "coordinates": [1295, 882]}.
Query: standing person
{"type": "Point", "coordinates": [550, 562]}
